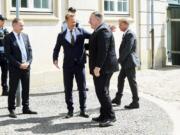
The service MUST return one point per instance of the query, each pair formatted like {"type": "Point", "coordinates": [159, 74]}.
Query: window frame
{"type": "Point", "coordinates": [30, 7]}
{"type": "Point", "coordinates": [116, 12]}
{"type": "Point", "coordinates": [174, 2]}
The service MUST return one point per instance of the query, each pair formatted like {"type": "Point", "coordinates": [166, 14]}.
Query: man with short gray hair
{"type": "Point", "coordinates": [102, 63]}
{"type": "Point", "coordinates": [128, 61]}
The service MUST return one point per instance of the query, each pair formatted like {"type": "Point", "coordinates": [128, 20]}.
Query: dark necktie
{"type": "Point", "coordinates": [123, 36]}
{"type": "Point", "coordinates": [72, 38]}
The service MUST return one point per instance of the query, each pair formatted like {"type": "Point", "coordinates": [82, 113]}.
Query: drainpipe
{"type": "Point", "coordinates": [18, 93]}
{"type": "Point", "coordinates": [138, 25]}
{"type": "Point", "coordinates": [17, 8]}
{"type": "Point", "coordinates": [152, 31]}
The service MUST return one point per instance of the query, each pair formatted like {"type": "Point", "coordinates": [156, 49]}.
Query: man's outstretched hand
{"type": "Point", "coordinates": [56, 64]}
{"type": "Point", "coordinates": [97, 71]}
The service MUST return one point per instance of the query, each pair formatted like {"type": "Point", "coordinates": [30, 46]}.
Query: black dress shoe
{"type": "Point", "coordinates": [69, 115]}
{"type": "Point", "coordinates": [107, 122]}
{"type": "Point", "coordinates": [12, 114]}
{"type": "Point", "coordinates": [98, 119]}
{"type": "Point", "coordinates": [133, 105]}
{"type": "Point", "coordinates": [29, 112]}
{"type": "Point", "coordinates": [84, 114]}
{"type": "Point", "coordinates": [116, 101]}
{"type": "Point", "coordinates": [5, 93]}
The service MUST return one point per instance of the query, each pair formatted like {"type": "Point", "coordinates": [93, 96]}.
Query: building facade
{"type": "Point", "coordinates": [43, 20]}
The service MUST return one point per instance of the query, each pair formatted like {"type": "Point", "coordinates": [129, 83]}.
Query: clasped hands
{"type": "Point", "coordinates": [24, 66]}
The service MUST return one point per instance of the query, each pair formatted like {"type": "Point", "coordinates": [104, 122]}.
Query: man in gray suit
{"type": "Point", "coordinates": [128, 61]}
{"type": "Point", "coordinates": [19, 54]}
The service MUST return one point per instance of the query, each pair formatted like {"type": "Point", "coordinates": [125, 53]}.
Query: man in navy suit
{"type": "Point", "coordinates": [64, 24]}
{"type": "Point", "coordinates": [72, 41]}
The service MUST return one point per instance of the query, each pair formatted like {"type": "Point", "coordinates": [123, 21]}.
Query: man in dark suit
{"type": "Point", "coordinates": [72, 41]}
{"type": "Point", "coordinates": [103, 63]}
{"type": "Point", "coordinates": [19, 53]}
{"type": "Point", "coordinates": [128, 60]}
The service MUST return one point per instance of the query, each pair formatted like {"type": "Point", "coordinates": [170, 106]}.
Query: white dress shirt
{"type": "Point", "coordinates": [63, 26]}
{"type": "Point", "coordinates": [22, 47]}
{"type": "Point", "coordinates": [68, 35]}
{"type": "Point", "coordinates": [125, 32]}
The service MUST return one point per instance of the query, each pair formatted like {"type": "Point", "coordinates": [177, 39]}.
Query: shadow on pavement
{"type": "Point", "coordinates": [2, 116]}
{"type": "Point", "coordinates": [48, 94]}
{"type": "Point", "coordinates": [48, 127]}
{"type": "Point", "coordinates": [3, 108]}
{"type": "Point", "coordinates": [44, 125]}
{"type": "Point", "coordinates": [45, 94]}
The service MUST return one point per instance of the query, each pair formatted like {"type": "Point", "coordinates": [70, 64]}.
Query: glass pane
{"type": "Point", "coordinates": [120, 6]}
{"type": "Point", "coordinates": [125, 6]}
{"type": "Point", "coordinates": [45, 3]}
{"type": "Point", "coordinates": [173, 1]}
{"type": "Point", "coordinates": [112, 6]}
{"type": "Point", "coordinates": [37, 3]}
{"type": "Point", "coordinates": [13, 3]}
{"type": "Point", "coordinates": [24, 3]}
{"type": "Point", "coordinates": [106, 5]}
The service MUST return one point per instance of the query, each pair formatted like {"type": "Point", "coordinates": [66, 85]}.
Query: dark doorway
{"type": "Point", "coordinates": [173, 35]}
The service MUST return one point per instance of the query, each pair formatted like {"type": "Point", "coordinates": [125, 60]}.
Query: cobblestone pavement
{"type": "Point", "coordinates": [163, 83]}
{"type": "Point", "coordinates": [150, 119]}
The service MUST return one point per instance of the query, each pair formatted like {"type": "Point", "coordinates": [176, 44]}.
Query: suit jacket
{"type": "Point", "coordinates": [102, 50]}
{"type": "Point", "coordinates": [73, 55]}
{"type": "Point", "coordinates": [14, 53]}
{"type": "Point", "coordinates": [127, 51]}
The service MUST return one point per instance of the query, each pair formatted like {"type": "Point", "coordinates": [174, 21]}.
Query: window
{"type": "Point", "coordinates": [33, 5]}
{"type": "Point", "coordinates": [116, 6]}
{"type": "Point", "coordinates": [41, 3]}
{"type": "Point", "coordinates": [177, 2]}
{"type": "Point", "coordinates": [23, 3]}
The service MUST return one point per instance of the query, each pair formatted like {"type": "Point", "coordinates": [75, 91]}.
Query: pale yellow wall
{"type": "Point", "coordinates": [132, 17]}
{"type": "Point", "coordinates": [43, 31]}
{"type": "Point", "coordinates": [160, 33]}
